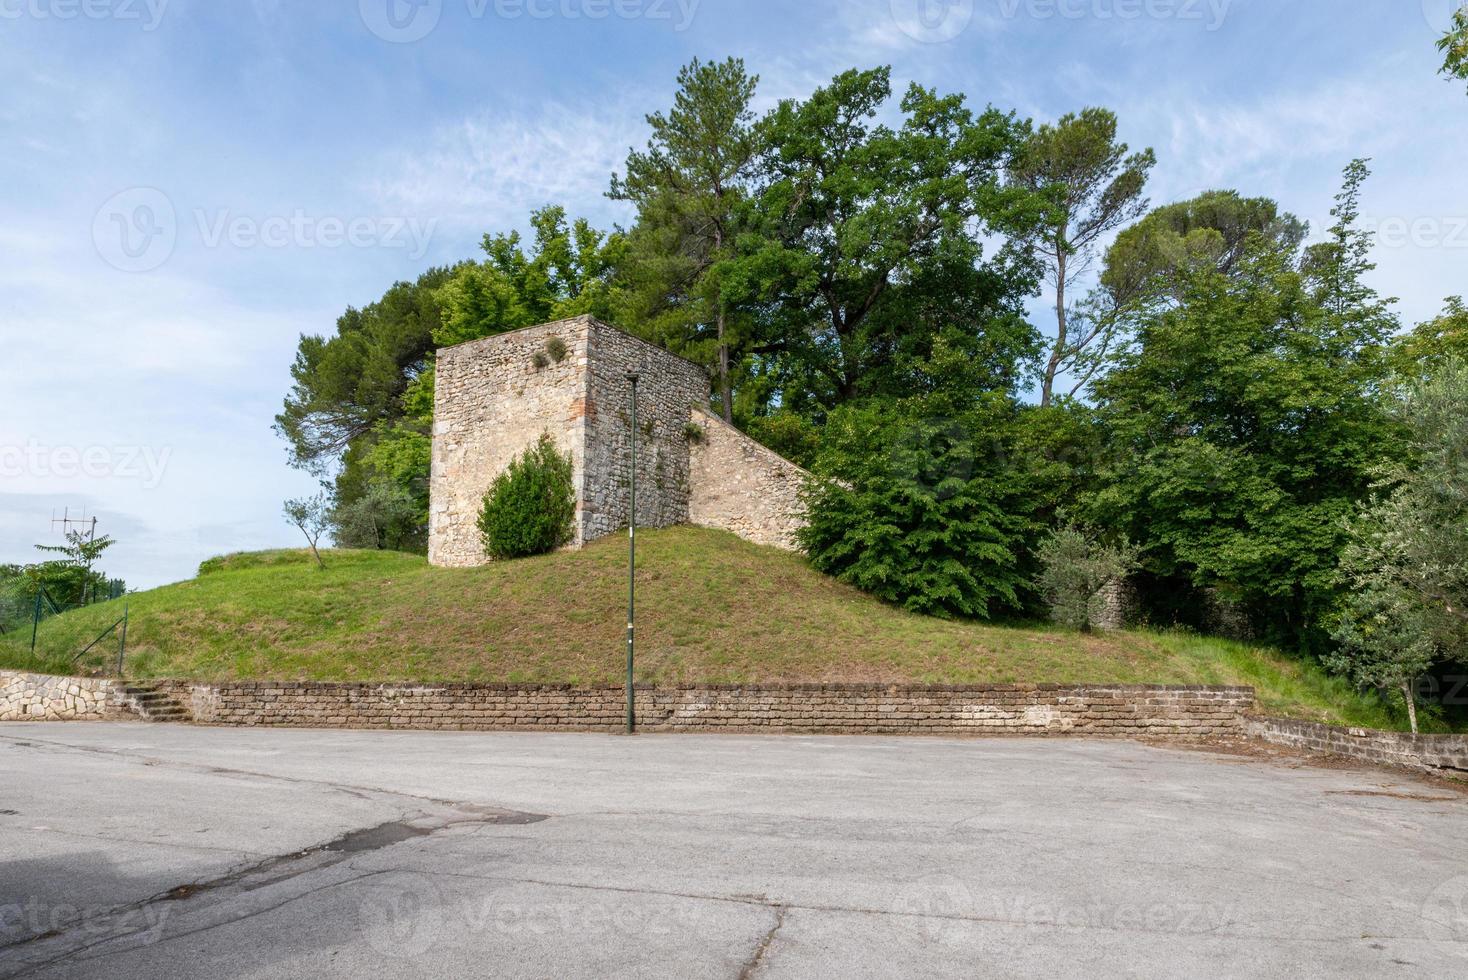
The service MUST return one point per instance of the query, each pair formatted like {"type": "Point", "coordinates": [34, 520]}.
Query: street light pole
{"type": "Point", "coordinates": [632, 378]}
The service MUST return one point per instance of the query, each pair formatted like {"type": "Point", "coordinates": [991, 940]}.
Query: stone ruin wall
{"type": "Point", "coordinates": [494, 398]}
{"type": "Point", "coordinates": [741, 486]}
{"type": "Point", "coordinates": [669, 389]}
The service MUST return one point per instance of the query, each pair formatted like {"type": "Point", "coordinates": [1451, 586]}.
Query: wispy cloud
{"type": "Point", "coordinates": [490, 170]}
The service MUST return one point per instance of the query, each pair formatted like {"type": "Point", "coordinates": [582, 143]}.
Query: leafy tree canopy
{"type": "Point", "coordinates": [1247, 422]}
{"type": "Point", "coordinates": [855, 225]}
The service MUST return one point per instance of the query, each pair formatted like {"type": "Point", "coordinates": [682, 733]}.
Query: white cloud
{"type": "Point", "coordinates": [490, 170]}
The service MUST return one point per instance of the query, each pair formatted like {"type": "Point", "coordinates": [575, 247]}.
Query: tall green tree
{"type": "Point", "coordinates": [858, 227]}
{"type": "Point", "coordinates": [689, 184]}
{"type": "Point", "coordinates": [1147, 261]}
{"type": "Point", "coordinates": [569, 269]}
{"type": "Point", "coordinates": [1247, 424]}
{"type": "Point", "coordinates": [345, 385]}
{"type": "Point", "coordinates": [1093, 186]}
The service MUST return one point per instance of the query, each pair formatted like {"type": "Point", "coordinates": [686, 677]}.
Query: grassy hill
{"type": "Point", "coordinates": [711, 608]}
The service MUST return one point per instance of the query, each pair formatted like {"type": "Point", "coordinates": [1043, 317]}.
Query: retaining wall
{"type": "Point", "coordinates": [1447, 753]}
{"type": "Point", "coordinates": [832, 709]}
{"type": "Point", "coordinates": [39, 697]}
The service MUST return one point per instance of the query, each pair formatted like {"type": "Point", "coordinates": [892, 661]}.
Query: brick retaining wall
{"type": "Point", "coordinates": [833, 709]}
{"type": "Point", "coordinates": [1447, 753]}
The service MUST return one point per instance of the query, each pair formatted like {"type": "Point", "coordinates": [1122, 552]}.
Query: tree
{"type": "Point", "coordinates": [72, 579]}
{"type": "Point", "coordinates": [1149, 260]}
{"type": "Point", "coordinates": [920, 508]}
{"type": "Point", "coordinates": [385, 517]}
{"type": "Point", "coordinates": [312, 516]}
{"type": "Point", "coordinates": [1432, 344]}
{"type": "Point", "coordinates": [346, 386]}
{"type": "Point", "coordinates": [1093, 187]}
{"type": "Point", "coordinates": [1248, 422]}
{"type": "Point", "coordinates": [1075, 570]}
{"type": "Point", "coordinates": [1406, 565]}
{"type": "Point", "coordinates": [1454, 46]}
{"type": "Point", "coordinates": [859, 234]}
{"type": "Point", "coordinates": [689, 185]}
{"type": "Point", "coordinates": [569, 270]}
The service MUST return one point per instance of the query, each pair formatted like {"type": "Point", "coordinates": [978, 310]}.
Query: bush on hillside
{"type": "Point", "coordinates": [1074, 573]}
{"type": "Point", "coordinates": [530, 508]}
{"type": "Point", "coordinates": [922, 510]}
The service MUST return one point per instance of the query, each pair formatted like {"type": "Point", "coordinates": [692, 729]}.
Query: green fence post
{"type": "Point", "coordinates": [122, 643]}
{"type": "Point", "coordinates": [35, 621]}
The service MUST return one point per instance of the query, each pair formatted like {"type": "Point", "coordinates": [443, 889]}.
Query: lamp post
{"type": "Point", "coordinates": [632, 379]}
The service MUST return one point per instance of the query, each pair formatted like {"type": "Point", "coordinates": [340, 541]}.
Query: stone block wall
{"type": "Point", "coordinates": [739, 485]}
{"type": "Point", "coordinates": [494, 398]}
{"type": "Point", "coordinates": [829, 709]}
{"type": "Point", "coordinates": [39, 697]}
{"type": "Point", "coordinates": [1446, 753]}
{"type": "Point", "coordinates": [668, 390]}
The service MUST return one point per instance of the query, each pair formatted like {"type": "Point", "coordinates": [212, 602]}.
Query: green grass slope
{"type": "Point", "coordinates": [711, 608]}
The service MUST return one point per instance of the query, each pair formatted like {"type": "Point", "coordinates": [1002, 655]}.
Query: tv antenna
{"type": "Point", "coordinates": [66, 524]}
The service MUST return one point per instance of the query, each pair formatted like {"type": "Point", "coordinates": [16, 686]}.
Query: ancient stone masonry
{"type": "Point", "coordinates": [495, 397]}
{"type": "Point", "coordinates": [37, 697]}
{"type": "Point", "coordinates": [741, 486]}
{"type": "Point", "coordinates": [831, 709]}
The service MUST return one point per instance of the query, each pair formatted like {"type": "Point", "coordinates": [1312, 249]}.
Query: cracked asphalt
{"type": "Point", "coordinates": [158, 851]}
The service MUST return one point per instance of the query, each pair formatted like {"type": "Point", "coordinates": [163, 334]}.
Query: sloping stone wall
{"type": "Point", "coordinates": [1448, 753]}
{"type": "Point", "coordinates": [830, 709]}
{"type": "Point", "coordinates": [40, 697]}
{"type": "Point", "coordinates": [739, 485]}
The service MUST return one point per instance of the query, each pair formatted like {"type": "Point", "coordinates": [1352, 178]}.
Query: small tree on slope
{"type": "Point", "coordinates": [1407, 561]}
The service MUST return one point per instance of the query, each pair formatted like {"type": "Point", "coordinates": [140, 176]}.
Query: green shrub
{"type": "Point", "coordinates": [530, 508]}
{"type": "Point", "coordinates": [919, 509]}
{"type": "Point", "coordinates": [1075, 570]}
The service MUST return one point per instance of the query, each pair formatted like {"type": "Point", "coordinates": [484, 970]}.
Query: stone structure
{"type": "Point", "coordinates": [1442, 753]}
{"type": "Point", "coordinates": [832, 709]}
{"type": "Point", "coordinates": [739, 485]}
{"type": "Point", "coordinates": [495, 397]}
{"type": "Point", "coordinates": [38, 697]}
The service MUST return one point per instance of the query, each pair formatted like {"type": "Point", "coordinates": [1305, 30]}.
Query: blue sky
{"type": "Point", "coordinates": [189, 185]}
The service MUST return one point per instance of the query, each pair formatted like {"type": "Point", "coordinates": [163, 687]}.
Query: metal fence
{"type": "Point", "coordinates": [25, 605]}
